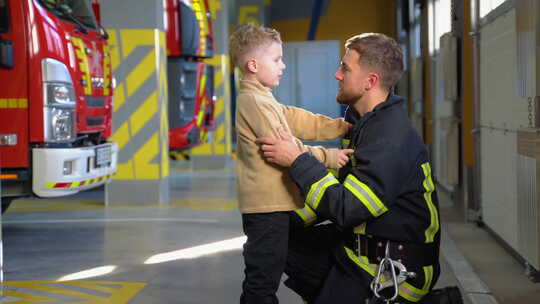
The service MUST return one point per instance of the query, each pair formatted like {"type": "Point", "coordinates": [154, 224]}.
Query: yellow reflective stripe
{"type": "Point", "coordinates": [84, 66]}
{"type": "Point", "coordinates": [23, 103]}
{"type": "Point", "coordinates": [434, 216]}
{"type": "Point", "coordinates": [316, 191]}
{"type": "Point", "coordinates": [307, 215]}
{"type": "Point", "coordinates": [345, 143]}
{"type": "Point", "coordinates": [369, 268]}
{"type": "Point", "coordinates": [334, 172]}
{"type": "Point", "coordinates": [106, 70]}
{"type": "Point", "coordinates": [361, 229]}
{"type": "Point", "coordinates": [365, 195]}
{"type": "Point", "coordinates": [406, 290]}
{"type": "Point", "coordinates": [428, 274]}
{"type": "Point", "coordinates": [202, 110]}
{"type": "Point", "coordinates": [200, 117]}
{"type": "Point", "coordinates": [13, 103]}
{"type": "Point", "coordinates": [412, 293]}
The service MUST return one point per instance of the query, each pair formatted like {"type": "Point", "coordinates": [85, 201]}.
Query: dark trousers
{"type": "Point", "coordinates": [265, 254]}
{"type": "Point", "coordinates": [320, 275]}
{"type": "Point", "coordinates": [310, 259]}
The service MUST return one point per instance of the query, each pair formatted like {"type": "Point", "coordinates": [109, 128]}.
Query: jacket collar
{"type": "Point", "coordinates": [253, 85]}
{"type": "Point", "coordinates": [351, 115]}
{"type": "Point", "coordinates": [390, 101]}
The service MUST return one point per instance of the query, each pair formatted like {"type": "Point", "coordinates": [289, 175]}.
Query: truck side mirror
{"type": "Point", "coordinates": [103, 33]}
{"type": "Point", "coordinates": [6, 54]}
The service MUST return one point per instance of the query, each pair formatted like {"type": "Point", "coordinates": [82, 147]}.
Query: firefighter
{"type": "Point", "coordinates": [383, 203]}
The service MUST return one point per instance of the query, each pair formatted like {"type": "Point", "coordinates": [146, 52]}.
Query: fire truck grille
{"type": "Point", "coordinates": [95, 102]}
{"type": "Point", "coordinates": [94, 121]}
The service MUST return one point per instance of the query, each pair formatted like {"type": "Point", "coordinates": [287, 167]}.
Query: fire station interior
{"type": "Point", "coordinates": [118, 143]}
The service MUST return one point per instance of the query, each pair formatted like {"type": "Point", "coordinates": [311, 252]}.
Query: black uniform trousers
{"type": "Point", "coordinates": [320, 276]}
{"type": "Point", "coordinates": [265, 254]}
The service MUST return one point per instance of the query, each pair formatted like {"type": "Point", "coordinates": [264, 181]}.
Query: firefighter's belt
{"type": "Point", "coordinates": [410, 255]}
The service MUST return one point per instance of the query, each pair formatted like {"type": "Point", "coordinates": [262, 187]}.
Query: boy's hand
{"type": "Point", "coordinates": [343, 157]}
{"type": "Point", "coordinates": [283, 151]}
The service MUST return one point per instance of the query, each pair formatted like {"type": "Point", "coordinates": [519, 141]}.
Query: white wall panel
{"type": "Point", "coordinates": [502, 108]}
{"type": "Point", "coordinates": [501, 105]}
{"type": "Point", "coordinates": [499, 182]}
{"type": "Point", "coordinates": [443, 111]}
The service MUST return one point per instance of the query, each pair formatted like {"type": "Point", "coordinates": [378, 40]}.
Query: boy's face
{"type": "Point", "coordinates": [269, 64]}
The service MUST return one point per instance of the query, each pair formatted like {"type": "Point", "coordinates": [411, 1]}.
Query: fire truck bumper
{"type": "Point", "coordinates": [59, 172]}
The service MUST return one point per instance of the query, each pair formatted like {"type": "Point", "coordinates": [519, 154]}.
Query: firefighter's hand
{"type": "Point", "coordinates": [343, 157]}
{"type": "Point", "coordinates": [282, 151]}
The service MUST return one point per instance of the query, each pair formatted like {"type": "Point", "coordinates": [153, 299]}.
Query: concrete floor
{"type": "Point", "coordinates": [47, 240]}
{"type": "Point", "coordinates": [501, 273]}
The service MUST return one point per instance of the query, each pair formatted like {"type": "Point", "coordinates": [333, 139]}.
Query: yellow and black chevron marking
{"type": "Point", "coordinates": [179, 155]}
{"type": "Point", "coordinates": [97, 292]}
{"type": "Point", "coordinates": [82, 57]}
{"type": "Point", "coordinates": [78, 183]}
{"type": "Point", "coordinates": [140, 109]}
{"type": "Point", "coordinates": [13, 103]}
{"type": "Point", "coordinates": [221, 144]}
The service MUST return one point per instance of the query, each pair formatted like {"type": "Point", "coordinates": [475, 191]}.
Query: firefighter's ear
{"type": "Point", "coordinates": [251, 65]}
{"type": "Point", "coordinates": [373, 79]}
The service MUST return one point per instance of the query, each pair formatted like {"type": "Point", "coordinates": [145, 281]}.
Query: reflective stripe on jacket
{"type": "Point", "coordinates": [386, 190]}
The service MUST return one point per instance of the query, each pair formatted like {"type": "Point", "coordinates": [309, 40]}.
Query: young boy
{"type": "Point", "coordinates": [266, 194]}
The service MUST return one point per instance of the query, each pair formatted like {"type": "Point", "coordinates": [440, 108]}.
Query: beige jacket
{"type": "Point", "coordinates": [265, 187]}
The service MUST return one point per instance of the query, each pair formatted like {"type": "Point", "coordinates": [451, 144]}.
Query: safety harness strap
{"type": "Point", "coordinates": [406, 290]}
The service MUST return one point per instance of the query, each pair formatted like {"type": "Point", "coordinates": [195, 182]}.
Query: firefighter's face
{"type": "Point", "coordinates": [352, 78]}
{"type": "Point", "coordinates": [268, 65]}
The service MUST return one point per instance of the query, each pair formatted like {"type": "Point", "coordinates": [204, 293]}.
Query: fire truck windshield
{"type": "Point", "coordinates": [4, 21]}
{"type": "Point", "coordinates": [77, 11]}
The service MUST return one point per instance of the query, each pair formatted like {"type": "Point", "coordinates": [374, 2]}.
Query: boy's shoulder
{"type": "Point", "coordinates": [253, 96]}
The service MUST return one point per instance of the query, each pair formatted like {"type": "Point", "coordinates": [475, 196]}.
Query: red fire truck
{"type": "Point", "coordinates": [191, 81]}
{"type": "Point", "coordinates": [55, 99]}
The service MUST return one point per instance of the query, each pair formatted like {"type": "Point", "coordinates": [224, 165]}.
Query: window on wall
{"type": "Point", "coordinates": [440, 22]}
{"type": "Point", "coordinates": [487, 6]}
{"type": "Point", "coordinates": [4, 20]}
{"type": "Point", "coordinates": [416, 31]}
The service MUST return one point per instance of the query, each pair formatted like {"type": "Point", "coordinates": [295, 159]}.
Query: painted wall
{"type": "Point", "coordinates": [340, 19]}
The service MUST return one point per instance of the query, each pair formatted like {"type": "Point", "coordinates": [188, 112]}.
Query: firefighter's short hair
{"type": "Point", "coordinates": [380, 53]}
{"type": "Point", "coordinates": [249, 37]}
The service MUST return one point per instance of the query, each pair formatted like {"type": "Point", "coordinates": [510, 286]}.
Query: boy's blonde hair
{"type": "Point", "coordinates": [249, 37]}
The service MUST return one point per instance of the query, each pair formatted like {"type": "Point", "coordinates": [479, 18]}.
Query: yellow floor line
{"type": "Point", "coordinates": [36, 205]}
{"type": "Point", "coordinates": [45, 291]}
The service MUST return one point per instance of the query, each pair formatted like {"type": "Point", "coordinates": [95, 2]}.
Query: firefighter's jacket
{"type": "Point", "coordinates": [385, 191]}
{"type": "Point", "coordinates": [262, 186]}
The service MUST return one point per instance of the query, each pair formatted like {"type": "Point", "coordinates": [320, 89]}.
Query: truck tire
{"type": "Point", "coordinates": [6, 201]}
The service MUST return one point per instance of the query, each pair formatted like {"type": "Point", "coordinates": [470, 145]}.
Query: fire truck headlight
{"type": "Point", "coordinates": [60, 94]}
{"type": "Point", "coordinates": [60, 124]}
{"type": "Point", "coordinates": [59, 102]}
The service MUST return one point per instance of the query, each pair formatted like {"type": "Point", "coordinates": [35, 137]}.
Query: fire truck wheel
{"type": "Point", "coordinates": [6, 201]}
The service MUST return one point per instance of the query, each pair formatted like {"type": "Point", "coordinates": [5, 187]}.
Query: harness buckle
{"type": "Point", "coordinates": [387, 276]}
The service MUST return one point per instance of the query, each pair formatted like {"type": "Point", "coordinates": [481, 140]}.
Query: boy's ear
{"type": "Point", "coordinates": [251, 65]}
